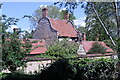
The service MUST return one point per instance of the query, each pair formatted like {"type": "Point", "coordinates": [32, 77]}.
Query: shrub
{"type": "Point", "coordinates": [12, 48]}
{"type": "Point", "coordinates": [59, 70]}
{"type": "Point", "coordinates": [79, 69]}
{"type": "Point", "coordinates": [99, 69]}
{"type": "Point", "coordinates": [97, 49]}
{"type": "Point", "coordinates": [83, 69]}
{"type": "Point", "coordinates": [63, 49]}
{"type": "Point", "coordinates": [18, 76]}
{"type": "Point", "coordinates": [109, 43]}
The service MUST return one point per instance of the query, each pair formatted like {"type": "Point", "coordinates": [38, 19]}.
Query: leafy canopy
{"type": "Point", "coordinates": [62, 49]}
{"type": "Point", "coordinates": [80, 69]}
{"type": "Point", "coordinates": [13, 49]}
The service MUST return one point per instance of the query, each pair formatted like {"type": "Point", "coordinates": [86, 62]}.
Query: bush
{"type": "Point", "coordinates": [59, 70]}
{"type": "Point", "coordinates": [2, 75]}
{"type": "Point", "coordinates": [83, 69]}
{"type": "Point", "coordinates": [109, 43]}
{"type": "Point", "coordinates": [97, 49]}
{"type": "Point", "coordinates": [67, 69]}
{"type": "Point", "coordinates": [99, 69]}
{"type": "Point", "coordinates": [18, 76]}
{"type": "Point", "coordinates": [63, 49]}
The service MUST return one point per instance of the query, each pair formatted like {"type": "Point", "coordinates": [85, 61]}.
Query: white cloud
{"type": "Point", "coordinates": [43, 6]}
{"type": "Point", "coordinates": [14, 26]}
{"type": "Point", "coordinates": [80, 21]}
{"type": "Point", "coordinates": [11, 28]}
{"type": "Point", "coordinates": [63, 9]}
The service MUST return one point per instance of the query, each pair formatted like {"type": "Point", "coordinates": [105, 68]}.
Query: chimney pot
{"type": "Point", "coordinates": [15, 30]}
{"type": "Point", "coordinates": [66, 15]}
{"type": "Point", "coordinates": [84, 36]}
{"type": "Point", "coordinates": [44, 12]}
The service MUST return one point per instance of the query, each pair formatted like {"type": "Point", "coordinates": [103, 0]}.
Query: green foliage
{"type": "Point", "coordinates": [106, 13]}
{"type": "Point", "coordinates": [59, 70]}
{"type": "Point", "coordinates": [2, 75]}
{"type": "Point", "coordinates": [18, 76]}
{"type": "Point", "coordinates": [34, 41]}
{"type": "Point", "coordinates": [79, 69]}
{"type": "Point", "coordinates": [99, 69]}
{"type": "Point", "coordinates": [27, 35]}
{"type": "Point", "coordinates": [62, 49]}
{"type": "Point", "coordinates": [0, 45]}
{"type": "Point", "coordinates": [81, 29]}
{"type": "Point", "coordinates": [71, 16]}
{"type": "Point", "coordinates": [82, 69]}
{"type": "Point", "coordinates": [70, 6]}
{"type": "Point", "coordinates": [13, 52]}
{"type": "Point", "coordinates": [12, 47]}
{"type": "Point", "coordinates": [97, 49]}
{"type": "Point", "coordinates": [109, 43]}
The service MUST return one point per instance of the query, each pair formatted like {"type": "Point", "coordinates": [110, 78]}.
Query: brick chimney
{"type": "Point", "coordinates": [97, 37]}
{"type": "Point", "coordinates": [15, 30]}
{"type": "Point", "coordinates": [66, 15]}
{"type": "Point", "coordinates": [44, 12]}
{"type": "Point", "coordinates": [84, 36]}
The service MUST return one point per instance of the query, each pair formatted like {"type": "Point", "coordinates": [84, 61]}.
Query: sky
{"type": "Point", "coordinates": [19, 9]}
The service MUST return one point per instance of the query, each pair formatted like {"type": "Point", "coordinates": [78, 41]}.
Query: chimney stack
{"type": "Point", "coordinates": [15, 28]}
{"type": "Point", "coordinates": [84, 36]}
{"type": "Point", "coordinates": [66, 15]}
{"type": "Point", "coordinates": [44, 12]}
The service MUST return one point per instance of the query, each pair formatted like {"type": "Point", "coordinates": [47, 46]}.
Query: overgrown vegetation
{"type": "Point", "coordinates": [69, 69]}
{"type": "Point", "coordinates": [83, 69]}
{"type": "Point", "coordinates": [17, 76]}
{"type": "Point", "coordinates": [97, 49]}
{"type": "Point", "coordinates": [62, 49]}
{"type": "Point", "coordinates": [13, 49]}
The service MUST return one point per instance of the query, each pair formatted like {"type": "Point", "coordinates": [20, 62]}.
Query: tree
{"type": "Point", "coordinates": [0, 40]}
{"type": "Point", "coordinates": [12, 47]}
{"type": "Point", "coordinates": [97, 49]}
{"type": "Point", "coordinates": [95, 20]}
{"type": "Point", "coordinates": [27, 34]}
{"type": "Point", "coordinates": [71, 16]}
{"type": "Point", "coordinates": [53, 12]}
{"type": "Point", "coordinates": [117, 10]}
{"type": "Point", "coordinates": [63, 49]}
{"type": "Point", "coordinates": [81, 29]}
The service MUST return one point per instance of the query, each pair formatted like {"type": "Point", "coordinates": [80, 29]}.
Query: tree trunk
{"type": "Point", "coordinates": [103, 25]}
{"type": "Point", "coordinates": [117, 11]}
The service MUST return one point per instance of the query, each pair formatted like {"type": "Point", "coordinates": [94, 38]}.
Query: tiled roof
{"type": "Point", "coordinates": [38, 47]}
{"type": "Point", "coordinates": [88, 44]}
{"type": "Point", "coordinates": [63, 27]}
{"type": "Point", "coordinates": [96, 55]}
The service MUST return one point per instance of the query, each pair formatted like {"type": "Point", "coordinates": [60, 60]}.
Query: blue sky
{"type": "Point", "coordinates": [19, 9]}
